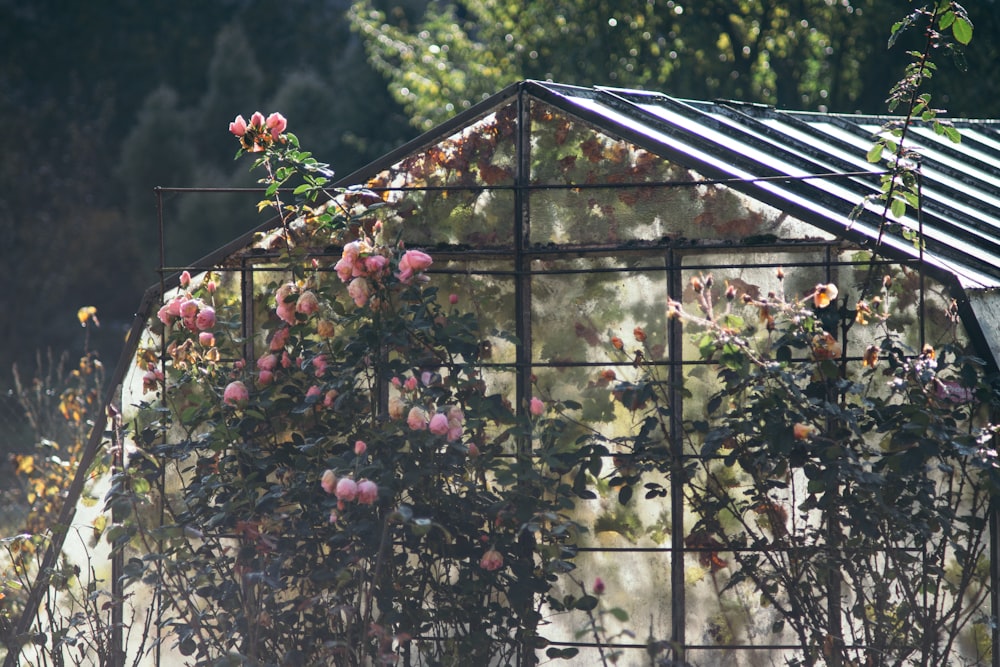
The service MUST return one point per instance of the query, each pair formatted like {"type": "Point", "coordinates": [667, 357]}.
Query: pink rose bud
{"type": "Point", "coordinates": [235, 394]}
{"type": "Point", "coordinates": [360, 447]}
{"type": "Point", "coordinates": [329, 481]}
{"type": "Point", "coordinates": [313, 392]}
{"type": "Point", "coordinates": [346, 489]}
{"type": "Point", "coordinates": [185, 278]}
{"type": "Point", "coordinates": [598, 586]}
{"type": "Point", "coordinates": [207, 339]}
{"type": "Point", "coordinates": [265, 378]}
{"type": "Point", "coordinates": [367, 492]}
{"type": "Point", "coordinates": [536, 407]}
{"type": "Point", "coordinates": [453, 299]}
{"type": "Point", "coordinates": [473, 450]}
{"type": "Point", "coordinates": [257, 120]}
{"type": "Point", "coordinates": [439, 424]}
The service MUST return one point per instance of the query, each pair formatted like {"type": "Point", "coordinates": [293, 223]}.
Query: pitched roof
{"type": "Point", "coordinates": [812, 165]}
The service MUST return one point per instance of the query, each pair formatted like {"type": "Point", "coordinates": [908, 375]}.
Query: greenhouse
{"type": "Point", "coordinates": [558, 450]}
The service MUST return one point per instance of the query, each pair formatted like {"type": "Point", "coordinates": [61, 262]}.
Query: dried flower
{"type": "Point", "coordinates": [870, 357]}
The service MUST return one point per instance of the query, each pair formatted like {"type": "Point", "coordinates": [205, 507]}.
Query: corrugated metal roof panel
{"type": "Point", "coordinates": [960, 216]}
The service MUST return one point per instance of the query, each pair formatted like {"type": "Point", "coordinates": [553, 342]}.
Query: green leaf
{"type": "Point", "coordinates": [619, 614]}
{"type": "Point", "coordinates": [898, 208]}
{"type": "Point", "coordinates": [962, 30]}
{"type": "Point", "coordinates": [875, 154]}
{"type": "Point", "coordinates": [946, 20]}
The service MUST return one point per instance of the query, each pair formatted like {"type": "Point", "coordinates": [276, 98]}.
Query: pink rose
{"type": "Point", "coordinates": [453, 299]}
{"type": "Point", "coordinates": [313, 392]}
{"type": "Point", "coordinates": [279, 339]}
{"type": "Point", "coordinates": [416, 260]}
{"type": "Point", "coordinates": [329, 481]}
{"type": "Point", "coordinates": [286, 312]}
{"type": "Point", "coordinates": [257, 120]}
{"type": "Point", "coordinates": [346, 489]}
{"type": "Point", "coordinates": [396, 408]}
{"type": "Point", "coordinates": [359, 290]}
{"type": "Point", "coordinates": [265, 378]}
{"type": "Point", "coordinates": [207, 339]}
{"type": "Point", "coordinates": [367, 492]}
{"type": "Point", "coordinates": [238, 126]}
{"type": "Point", "coordinates": [268, 362]}
{"type": "Point", "coordinates": [456, 423]}
{"type": "Point", "coordinates": [417, 419]}
{"type": "Point", "coordinates": [348, 258]}
{"type": "Point", "coordinates": [598, 586]}
{"type": "Point", "coordinates": [360, 447]}
{"type": "Point", "coordinates": [319, 365]}
{"type": "Point", "coordinates": [189, 309]}
{"type": "Point", "coordinates": [307, 303]}
{"type": "Point", "coordinates": [438, 424]}
{"type": "Point", "coordinates": [277, 124]}
{"type": "Point", "coordinates": [235, 394]}
{"type": "Point", "coordinates": [412, 262]}
{"type": "Point", "coordinates": [205, 318]}
{"type": "Point", "coordinates": [536, 407]}
{"type": "Point", "coordinates": [491, 561]}
{"type": "Point", "coordinates": [330, 397]}
{"type": "Point", "coordinates": [185, 279]}
{"type": "Point", "coordinates": [375, 265]}
{"type": "Point", "coordinates": [163, 314]}
{"type": "Point", "coordinates": [410, 384]}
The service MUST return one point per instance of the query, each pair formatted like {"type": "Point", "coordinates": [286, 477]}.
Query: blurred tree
{"type": "Point", "coordinates": [110, 99]}
{"type": "Point", "coordinates": [803, 54]}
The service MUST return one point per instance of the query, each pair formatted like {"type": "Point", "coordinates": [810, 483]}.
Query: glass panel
{"type": "Point", "coordinates": [578, 305]}
{"type": "Point", "coordinates": [485, 288]}
{"type": "Point", "coordinates": [447, 193]}
{"type": "Point", "coordinates": [626, 193]}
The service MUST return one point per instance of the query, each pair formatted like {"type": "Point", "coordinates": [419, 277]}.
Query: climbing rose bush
{"type": "Point", "coordinates": [347, 486]}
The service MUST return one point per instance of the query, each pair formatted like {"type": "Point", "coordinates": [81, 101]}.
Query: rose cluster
{"type": "Point", "coordinates": [260, 132]}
